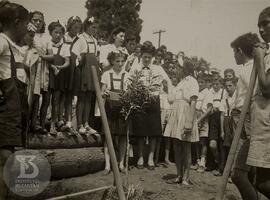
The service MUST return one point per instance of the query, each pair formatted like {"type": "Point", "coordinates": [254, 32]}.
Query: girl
{"type": "Point", "coordinates": [59, 61]}
{"type": "Point", "coordinates": [13, 100]}
{"type": "Point", "coordinates": [117, 45]}
{"type": "Point", "coordinates": [41, 82]}
{"type": "Point", "coordinates": [114, 82]}
{"type": "Point", "coordinates": [74, 27]}
{"type": "Point", "coordinates": [149, 124]}
{"type": "Point", "coordinates": [181, 121]}
{"type": "Point", "coordinates": [86, 52]}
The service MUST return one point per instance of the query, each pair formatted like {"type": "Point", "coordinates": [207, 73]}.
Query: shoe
{"type": "Point", "coordinates": [106, 171]}
{"type": "Point", "coordinates": [187, 182]}
{"type": "Point", "coordinates": [43, 131]}
{"type": "Point", "coordinates": [82, 130]}
{"type": "Point", "coordinates": [194, 167]}
{"type": "Point", "coordinates": [90, 130]}
{"type": "Point", "coordinates": [140, 166]}
{"type": "Point", "coordinates": [122, 170]}
{"type": "Point", "coordinates": [60, 123]}
{"type": "Point", "coordinates": [178, 180]}
{"type": "Point", "coordinates": [216, 173]}
{"type": "Point", "coordinates": [151, 167]}
{"type": "Point", "coordinates": [201, 169]}
{"type": "Point", "coordinates": [169, 163]}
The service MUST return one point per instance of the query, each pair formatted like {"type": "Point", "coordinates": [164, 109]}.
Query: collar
{"type": "Point", "coordinates": [88, 37]}
{"type": "Point", "coordinates": [268, 50]}
{"type": "Point", "coordinates": [57, 45]}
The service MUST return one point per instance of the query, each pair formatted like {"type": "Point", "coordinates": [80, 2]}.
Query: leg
{"type": "Point", "coordinates": [140, 151]}
{"type": "Point", "coordinates": [107, 158]}
{"type": "Point", "coordinates": [186, 160]}
{"type": "Point", "coordinates": [34, 111]}
{"type": "Point", "coordinates": [263, 181]}
{"type": "Point", "coordinates": [203, 141]}
{"type": "Point", "coordinates": [240, 174]}
{"type": "Point", "coordinates": [68, 109]}
{"type": "Point", "coordinates": [4, 154]}
{"type": "Point", "coordinates": [87, 108]}
{"type": "Point", "coordinates": [214, 149]}
{"type": "Point", "coordinates": [157, 150]}
{"type": "Point", "coordinates": [153, 141]}
{"type": "Point", "coordinates": [177, 156]}
{"type": "Point", "coordinates": [122, 151]}
{"type": "Point", "coordinates": [167, 150]}
{"type": "Point", "coordinates": [55, 111]}
{"type": "Point", "coordinates": [62, 98]}
{"type": "Point", "coordinates": [46, 97]}
{"type": "Point", "coordinates": [79, 110]}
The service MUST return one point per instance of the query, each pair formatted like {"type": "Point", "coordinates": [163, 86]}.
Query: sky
{"type": "Point", "coordinates": [203, 28]}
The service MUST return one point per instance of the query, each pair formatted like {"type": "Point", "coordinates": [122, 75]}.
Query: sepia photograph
{"type": "Point", "coordinates": [134, 100]}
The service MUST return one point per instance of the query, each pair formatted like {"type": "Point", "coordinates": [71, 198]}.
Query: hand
{"type": "Point", "coordinates": [74, 100]}
{"type": "Point", "coordinates": [55, 69]}
{"type": "Point", "coordinates": [187, 131]}
{"type": "Point", "coordinates": [259, 50]}
{"type": "Point", "coordinates": [188, 125]}
{"type": "Point", "coordinates": [105, 94]}
{"type": "Point", "coordinates": [222, 135]}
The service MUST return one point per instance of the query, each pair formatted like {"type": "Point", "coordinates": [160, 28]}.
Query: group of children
{"type": "Point", "coordinates": [195, 111]}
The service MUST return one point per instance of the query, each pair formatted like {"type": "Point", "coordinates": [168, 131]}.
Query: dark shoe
{"type": "Point", "coordinates": [175, 181]}
{"type": "Point", "coordinates": [122, 170]}
{"type": "Point", "coordinates": [151, 167]}
{"type": "Point", "coordinates": [140, 166]}
{"type": "Point", "coordinates": [43, 131]}
{"type": "Point", "coordinates": [106, 171]}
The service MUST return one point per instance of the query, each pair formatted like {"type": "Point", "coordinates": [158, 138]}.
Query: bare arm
{"type": "Point", "coordinates": [66, 64]}
{"type": "Point", "coordinates": [222, 125]}
{"type": "Point", "coordinates": [191, 114]}
{"type": "Point", "coordinates": [209, 110]}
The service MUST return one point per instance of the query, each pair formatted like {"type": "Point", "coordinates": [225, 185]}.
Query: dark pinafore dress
{"type": "Point", "coordinates": [70, 71]}
{"type": "Point", "coordinates": [84, 80]}
{"type": "Point", "coordinates": [117, 123]}
{"type": "Point", "coordinates": [57, 82]}
{"type": "Point", "coordinates": [228, 127]}
{"type": "Point", "coordinates": [13, 109]}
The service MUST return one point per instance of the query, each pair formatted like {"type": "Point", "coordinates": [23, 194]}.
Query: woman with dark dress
{"type": "Point", "coordinates": [148, 125]}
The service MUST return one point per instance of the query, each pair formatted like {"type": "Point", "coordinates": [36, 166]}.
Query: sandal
{"type": "Point", "coordinates": [178, 180]}
{"type": "Point", "coordinates": [140, 166]}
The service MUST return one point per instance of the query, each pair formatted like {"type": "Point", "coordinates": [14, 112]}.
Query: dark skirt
{"type": "Point", "coordinates": [149, 122]}
{"type": "Point", "coordinates": [117, 123]}
{"type": "Point", "coordinates": [83, 74]}
{"type": "Point", "coordinates": [57, 82]}
{"type": "Point", "coordinates": [70, 72]}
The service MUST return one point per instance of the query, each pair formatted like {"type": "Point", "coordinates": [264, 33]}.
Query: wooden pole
{"type": "Point", "coordinates": [68, 196]}
{"type": "Point", "coordinates": [108, 136]}
{"type": "Point", "coordinates": [232, 153]}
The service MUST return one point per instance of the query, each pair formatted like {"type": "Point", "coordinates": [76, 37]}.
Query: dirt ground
{"type": "Point", "coordinates": [154, 185]}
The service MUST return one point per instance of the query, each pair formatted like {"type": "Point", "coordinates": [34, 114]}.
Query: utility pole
{"type": "Point", "coordinates": [159, 32]}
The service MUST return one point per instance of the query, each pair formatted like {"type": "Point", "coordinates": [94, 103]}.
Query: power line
{"type": "Point", "coordinates": [159, 32]}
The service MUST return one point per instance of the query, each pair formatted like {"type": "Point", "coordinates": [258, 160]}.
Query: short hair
{"type": "Point", "coordinates": [53, 25]}
{"type": "Point", "coordinates": [229, 70]}
{"type": "Point", "coordinates": [266, 11]}
{"type": "Point", "coordinates": [189, 67]}
{"type": "Point", "coordinates": [113, 55]}
{"type": "Point", "coordinates": [148, 48]}
{"type": "Point", "coordinates": [202, 76]}
{"type": "Point", "coordinates": [233, 80]}
{"type": "Point", "coordinates": [9, 12]}
{"type": "Point", "coordinates": [31, 15]}
{"type": "Point", "coordinates": [132, 37]}
{"type": "Point", "coordinates": [245, 43]}
{"type": "Point", "coordinates": [73, 20]}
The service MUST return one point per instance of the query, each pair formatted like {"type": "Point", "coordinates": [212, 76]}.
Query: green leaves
{"type": "Point", "coordinates": [138, 96]}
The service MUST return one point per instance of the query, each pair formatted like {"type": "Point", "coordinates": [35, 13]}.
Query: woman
{"type": "Point", "coordinates": [180, 123]}
{"type": "Point", "coordinates": [149, 124]}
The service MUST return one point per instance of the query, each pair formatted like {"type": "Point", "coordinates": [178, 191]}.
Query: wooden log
{"type": "Point", "coordinates": [71, 185]}
{"type": "Point", "coordinates": [64, 141]}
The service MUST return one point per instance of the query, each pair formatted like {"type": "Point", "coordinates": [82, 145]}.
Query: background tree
{"type": "Point", "coordinates": [113, 13]}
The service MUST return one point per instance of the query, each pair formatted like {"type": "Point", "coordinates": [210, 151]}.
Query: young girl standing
{"type": "Point", "coordinates": [86, 51]}
{"type": "Point", "coordinates": [113, 83]}
{"type": "Point", "coordinates": [74, 27]}
{"type": "Point", "coordinates": [41, 82]}
{"type": "Point", "coordinates": [60, 61]}
{"type": "Point", "coordinates": [13, 99]}
{"type": "Point", "coordinates": [181, 121]}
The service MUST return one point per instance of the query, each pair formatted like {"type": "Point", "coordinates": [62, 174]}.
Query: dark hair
{"type": "Point", "coordinates": [245, 43]}
{"type": "Point", "coordinates": [73, 20]}
{"type": "Point", "coordinates": [233, 80]}
{"type": "Point", "coordinates": [229, 70]}
{"type": "Point", "coordinates": [53, 25]}
{"type": "Point", "coordinates": [189, 67]}
{"type": "Point", "coordinates": [132, 37]}
{"type": "Point", "coordinates": [9, 12]}
{"type": "Point", "coordinates": [202, 76]}
{"type": "Point", "coordinates": [266, 11]}
{"type": "Point", "coordinates": [88, 22]}
{"type": "Point", "coordinates": [115, 32]}
{"type": "Point", "coordinates": [148, 48]}
{"type": "Point", "coordinates": [31, 15]}
{"type": "Point", "coordinates": [113, 55]}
